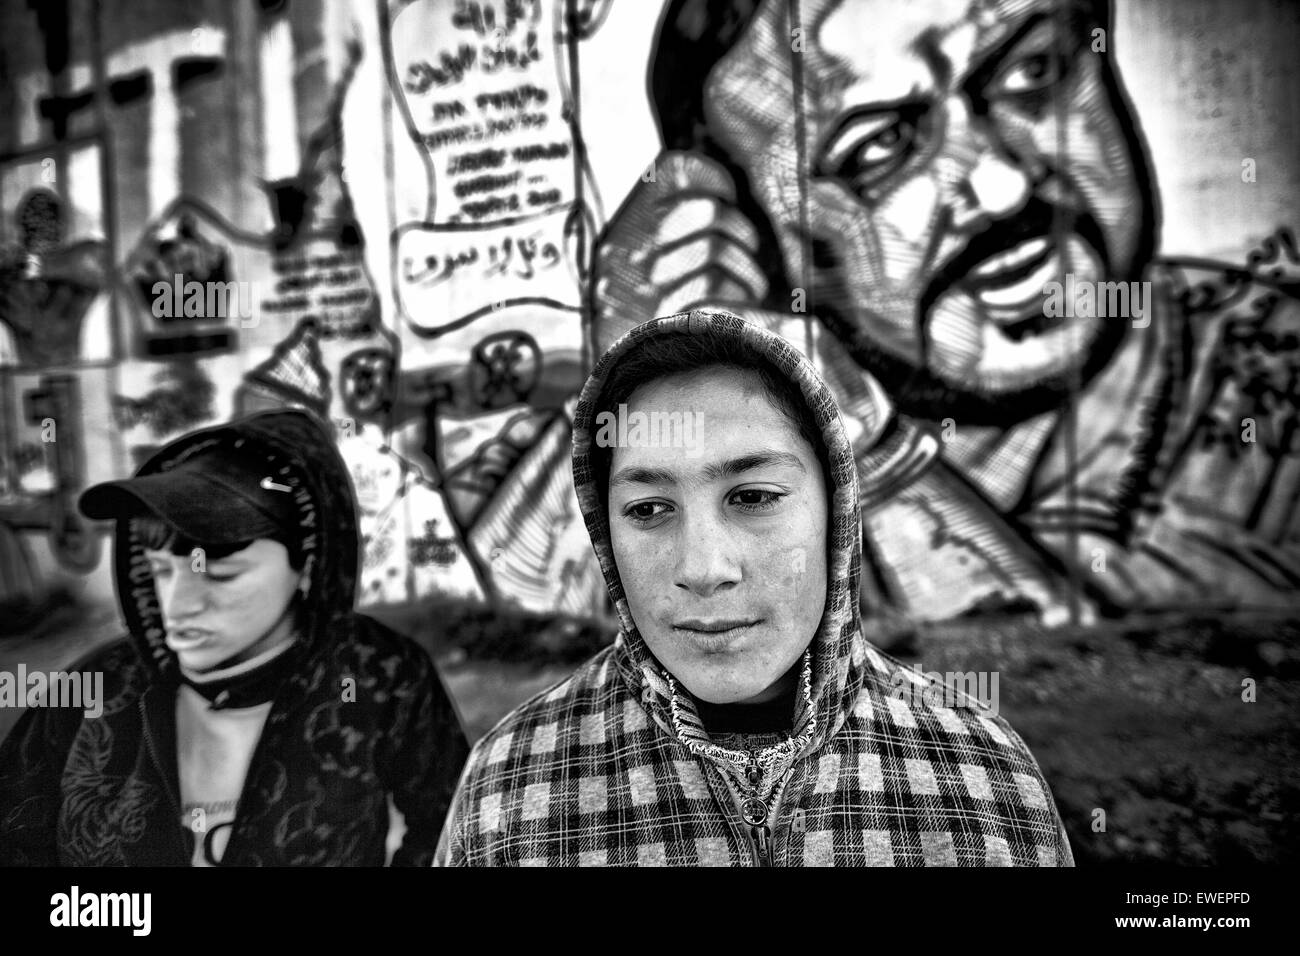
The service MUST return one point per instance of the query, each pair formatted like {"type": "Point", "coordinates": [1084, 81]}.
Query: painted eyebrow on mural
{"type": "Point", "coordinates": [1074, 15]}
{"type": "Point", "coordinates": [636, 475]}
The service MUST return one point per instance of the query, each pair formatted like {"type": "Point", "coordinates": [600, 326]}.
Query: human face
{"type": "Point", "coordinates": [223, 611]}
{"type": "Point", "coordinates": [722, 553]}
{"type": "Point", "coordinates": [961, 154]}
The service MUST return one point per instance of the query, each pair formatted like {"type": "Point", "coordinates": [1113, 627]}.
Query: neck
{"type": "Point", "coordinates": [253, 681]}
{"type": "Point", "coordinates": [772, 715]}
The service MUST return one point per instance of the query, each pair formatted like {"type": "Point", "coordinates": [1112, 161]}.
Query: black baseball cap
{"type": "Point", "coordinates": [217, 496]}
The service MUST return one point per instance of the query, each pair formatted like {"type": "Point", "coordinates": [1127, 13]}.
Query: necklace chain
{"type": "Point", "coordinates": [738, 760]}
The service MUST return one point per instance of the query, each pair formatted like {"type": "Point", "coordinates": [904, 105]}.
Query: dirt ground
{"type": "Point", "coordinates": [1140, 727]}
{"type": "Point", "coordinates": [1146, 722]}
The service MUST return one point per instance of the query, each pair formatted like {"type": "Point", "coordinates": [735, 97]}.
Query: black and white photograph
{"type": "Point", "coordinates": [666, 433]}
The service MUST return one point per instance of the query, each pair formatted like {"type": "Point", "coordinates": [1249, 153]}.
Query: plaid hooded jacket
{"type": "Point", "coordinates": [612, 766]}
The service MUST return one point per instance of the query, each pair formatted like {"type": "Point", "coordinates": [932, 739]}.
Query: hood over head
{"type": "Point", "coordinates": [837, 648]}
{"type": "Point", "coordinates": [298, 458]}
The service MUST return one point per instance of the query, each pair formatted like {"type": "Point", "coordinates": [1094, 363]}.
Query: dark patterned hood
{"type": "Point", "coordinates": [299, 453]}
{"type": "Point", "coordinates": [838, 650]}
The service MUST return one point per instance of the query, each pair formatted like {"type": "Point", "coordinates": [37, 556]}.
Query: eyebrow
{"type": "Point", "coordinates": [927, 46]}
{"type": "Point", "coordinates": [723, 469]}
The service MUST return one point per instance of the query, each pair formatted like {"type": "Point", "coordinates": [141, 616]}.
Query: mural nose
{"type": "Point", "coordinates": [1000, 187]}
{"type": "Point", "coordinates": [993, 189]}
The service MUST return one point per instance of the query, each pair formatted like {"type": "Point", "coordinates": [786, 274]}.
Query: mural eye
{"type": "Point", "coordinates": [867, 150]}
{"type": "Point", "coordinates": [1028, 75]}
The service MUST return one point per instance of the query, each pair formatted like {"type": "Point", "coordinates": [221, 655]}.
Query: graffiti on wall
{"type": "Point", "coordinates": [488, 282]}
{"type": "Point", "coordinates": [1097, 445]}
{"type": "Point", "coordinates": [957, 218]}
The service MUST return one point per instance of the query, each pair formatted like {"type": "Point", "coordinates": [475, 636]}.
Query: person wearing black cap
{"type": "Point", "coordinates": [252, 718]}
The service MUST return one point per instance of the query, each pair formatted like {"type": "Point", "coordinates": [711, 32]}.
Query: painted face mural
{"type": "Point", "coordinates": [960, 156]}
{"type": "Point", "coordinates": [439, 213]}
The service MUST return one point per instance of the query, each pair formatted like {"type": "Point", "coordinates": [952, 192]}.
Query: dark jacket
{"type": "Point", "coordinates": [362, 716]}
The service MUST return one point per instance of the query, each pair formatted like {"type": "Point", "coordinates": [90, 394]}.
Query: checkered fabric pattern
{"type": "Point", "coordinates": [590, 773]}
{"type": "Point", "coordinates": [596, 771]}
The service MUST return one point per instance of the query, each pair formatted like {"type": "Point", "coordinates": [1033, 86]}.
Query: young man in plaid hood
{"type": "Point", "coordinates": [740, 717]}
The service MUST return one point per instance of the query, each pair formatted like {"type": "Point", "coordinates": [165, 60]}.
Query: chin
{"type": "Point", "coordinates": [199, 662]}
{"type": "Point", "coordinates": [204, 660]}
{"type": "Point", "coordinates": [723, 690]}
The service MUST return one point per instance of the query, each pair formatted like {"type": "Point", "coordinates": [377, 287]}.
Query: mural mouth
{"type": "Point", "coordinates": [1008, 287]}
{"type": "Point", "coordinates": [1035, 324]}
{"type": "Point", "coordinates": [1003, 278]}
{"type": "Point", "coordinates": [1005, 268]}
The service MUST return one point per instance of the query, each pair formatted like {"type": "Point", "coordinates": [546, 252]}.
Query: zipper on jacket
{"type": "Point", "coordinates": [757, 816]}
{"type": "Point", "coordinates": [159, 765]}
{"type": "Point", "coordinates": [754, 812]}
{"type": "Point", "coordinates": [173, 798]}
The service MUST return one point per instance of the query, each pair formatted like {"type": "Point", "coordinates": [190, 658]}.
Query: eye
{"type": "Point", "coordinates": [227, 576]}
{"type": "Point", "coordinates": [643, 512]}
{"type": "Point", "coordinates": [160, 570]}
{"type": "Point", "coordinates": [1028, 75]}
{"type": "Point", "coordinates": [756, 499]}
{"type": "Point", "coordinates": [868, 149]}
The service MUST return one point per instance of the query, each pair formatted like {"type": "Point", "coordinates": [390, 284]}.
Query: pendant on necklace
{"type": "Point", "coordinates": [754, 811]}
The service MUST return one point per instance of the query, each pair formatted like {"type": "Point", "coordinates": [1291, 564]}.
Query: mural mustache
{"type": "Point", "coordinates": [1049, 224]}
{"type": "Point", "coordinates": [1037, 234]}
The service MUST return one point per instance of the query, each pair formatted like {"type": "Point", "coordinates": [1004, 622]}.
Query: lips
{"type": "Point", "coordinates": [717, 628]}
{"type": "Point", "coordinates": [186, 639]}
{"type": "Point", "coordinates": [1009, 284]}
{"type": "Point", "coordinates": [1036, 324]}
{"type": "Point", "coordinates": [1005, 266]}
{"type": "Point", "coordinates": [1011, 266]}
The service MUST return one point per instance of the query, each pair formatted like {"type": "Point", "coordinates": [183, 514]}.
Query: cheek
{"type": "Point", "coordinates": [879, 264]}
{"type": "Point", "coordinates": [1096, 153]}
{"type": "Point", "coordinates": [906, 219]}
{"type": "Point", "coordinates": [791, 560]}
{"type": "Point", "coordinates": [261, 601]}
{"type": "Point", "coordinates": [237, 605]}
{"type": "Point", "coordinates": [642, 569]}
{"type": "Point", "coordinates": [163, 588]}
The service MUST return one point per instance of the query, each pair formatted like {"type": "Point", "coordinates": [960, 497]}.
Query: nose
{"type": "Point", "coordinates": [988, 183]}
{"type": "Point", "coordinates": [183, 595]}
{"type": "Point", "coordinates": [706, 560]}
{"type": "Point", "coordinates": [994, 188]}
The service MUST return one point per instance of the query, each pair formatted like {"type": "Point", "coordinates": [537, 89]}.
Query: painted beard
{"type": "Point", "coordinates": [996, 278]}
